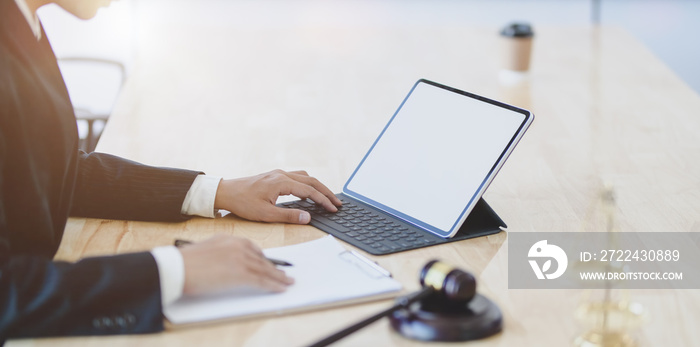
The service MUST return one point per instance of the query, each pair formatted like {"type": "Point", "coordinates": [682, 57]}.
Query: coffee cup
{"type": "Point", "coordinates": [517, 46]}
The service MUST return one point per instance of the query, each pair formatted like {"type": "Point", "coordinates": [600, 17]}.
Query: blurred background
{"type": "Point", "coordinates": [667, 27]}
{"type": "Point", "coordinates": [130, 29]}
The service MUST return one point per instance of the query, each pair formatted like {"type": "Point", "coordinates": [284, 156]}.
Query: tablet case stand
{"type": "Point", "coordinates": [482, 221]}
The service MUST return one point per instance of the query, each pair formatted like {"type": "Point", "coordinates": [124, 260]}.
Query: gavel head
{"type": "Point", "coordinates": [450, 282]}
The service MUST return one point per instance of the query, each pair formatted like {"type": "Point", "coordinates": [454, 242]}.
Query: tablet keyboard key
{"type": "Point", "coordinates": [404, 243]}
{"type": "Point", "coordinates": [372, 231]}
{"type": "Point", "coordinates": [333, 225]}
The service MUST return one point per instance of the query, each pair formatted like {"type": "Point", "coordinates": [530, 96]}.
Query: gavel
{"type": "Point", "coordinates": [438, 279]}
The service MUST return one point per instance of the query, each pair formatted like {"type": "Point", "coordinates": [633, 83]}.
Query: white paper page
{"type": "Point", "coordinates": [323, 271]}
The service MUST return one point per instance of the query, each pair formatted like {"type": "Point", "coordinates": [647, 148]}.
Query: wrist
{"type": "Point", "coordinates": [221, 194]}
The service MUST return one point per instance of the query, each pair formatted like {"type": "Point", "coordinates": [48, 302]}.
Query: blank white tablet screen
{"type": "Point", "coordinates": [434, 155]}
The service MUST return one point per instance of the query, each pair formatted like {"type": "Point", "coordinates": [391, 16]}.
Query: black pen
{"type": "Point", "coordinates": [179, 243]}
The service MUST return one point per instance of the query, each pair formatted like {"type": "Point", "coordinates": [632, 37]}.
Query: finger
{"type": "Point", "coordinates": [274, 214]}
{"type": "Point", "coordinates": [276, 274]}
{"type": "Point", "coordinates": [306, 191]}
{"type": "Point", "coordinates": [271, 285]}
{"type": "Point", "coordinates": [262, 267]}
{"type": "Point", "coordinates": [238, 244]}
{"type": "Point", "coordinates": [251, 249]}
{"type": "Point", "coordinates": [303, 177]}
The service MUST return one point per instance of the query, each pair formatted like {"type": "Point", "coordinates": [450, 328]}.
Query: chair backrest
{"type": "Point", "coordinates": [93, 84]}
{"type": "Point", "coordinates": [94, 57]}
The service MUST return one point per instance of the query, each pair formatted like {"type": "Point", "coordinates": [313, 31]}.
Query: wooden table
{"type": "Point", "coordinates": [240, 102]}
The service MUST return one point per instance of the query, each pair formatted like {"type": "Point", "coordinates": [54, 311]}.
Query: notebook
{"type": "Point", "coordinates": [325, 273]}
{"type": "Point", "coordinates": [422, 180]}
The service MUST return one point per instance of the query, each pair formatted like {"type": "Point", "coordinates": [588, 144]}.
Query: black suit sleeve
{"type": "Point", "coordinates": [115, 188]}
{"type": "Point", "coordinates": [95, 296]}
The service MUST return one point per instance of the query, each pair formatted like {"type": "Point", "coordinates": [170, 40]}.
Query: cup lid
{"type": "Point", "coordinates": [518, 29]}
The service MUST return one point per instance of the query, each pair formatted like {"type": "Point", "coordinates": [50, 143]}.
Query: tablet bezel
{"type": "Point", "coordinates": [528, 118]}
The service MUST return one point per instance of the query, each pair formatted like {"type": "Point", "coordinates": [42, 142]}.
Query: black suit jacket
{"type": "Point", "coordinates": [43, 180]}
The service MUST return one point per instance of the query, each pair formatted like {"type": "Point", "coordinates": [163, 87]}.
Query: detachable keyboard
{"type": "Point", "coordinates": [378, 232]}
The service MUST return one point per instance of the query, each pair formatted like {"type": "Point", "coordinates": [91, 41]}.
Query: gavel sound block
{"type": "Point", "coordinates": [447, 308]}
{"type": "Point", "coordinates": [452, 311]}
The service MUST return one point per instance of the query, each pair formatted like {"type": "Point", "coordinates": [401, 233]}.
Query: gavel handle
{"type": "Point", "coordinates": [402, 302]}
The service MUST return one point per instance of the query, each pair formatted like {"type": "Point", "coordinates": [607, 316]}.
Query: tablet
{"type": "Point", "coordinates": [437, 155]}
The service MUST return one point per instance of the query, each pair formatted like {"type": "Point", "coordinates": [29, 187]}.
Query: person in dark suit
{"type": "Point", "coordinates": [44, 179]}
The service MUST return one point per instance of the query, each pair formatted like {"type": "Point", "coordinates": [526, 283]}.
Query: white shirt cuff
{"type": "Point", "coordinates": [171, 271]}
{"type": "Point", "coordinates": [199, 200]}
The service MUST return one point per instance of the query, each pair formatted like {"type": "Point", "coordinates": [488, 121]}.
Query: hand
{"type": "Point", "coordinates": [254, 197]}
{"type": "Point", "coordinates": [225, 262]}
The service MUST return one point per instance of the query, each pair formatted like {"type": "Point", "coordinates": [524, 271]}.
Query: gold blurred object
{"type": "Point", "coordinates": [609, 320]}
